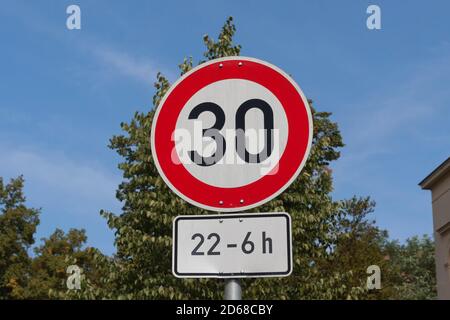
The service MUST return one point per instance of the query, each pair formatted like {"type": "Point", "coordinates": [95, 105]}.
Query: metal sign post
{"type": "Point", "coordinates": [233, 289]}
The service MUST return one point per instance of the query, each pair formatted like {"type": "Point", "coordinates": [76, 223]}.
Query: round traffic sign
{"type": "Point", "coordinates": [231, 134]}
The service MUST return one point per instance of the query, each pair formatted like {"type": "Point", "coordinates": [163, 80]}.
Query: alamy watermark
{"type": "Point", "coordinates": [74, 279]}
{"type": "Point", "coordinates": [374, 278]}
{"type": "Point", "coordinates": [373, 21]}
{"type": "Point", "coordinates": [207, 147]}
{"type": "Point", "coordinates": [73, 21]}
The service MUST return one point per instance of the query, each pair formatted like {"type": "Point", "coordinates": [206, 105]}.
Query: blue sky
{"type": "Point", "coordinates": [64, 93]}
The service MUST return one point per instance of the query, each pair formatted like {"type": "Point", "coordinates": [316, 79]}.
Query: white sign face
{"type": "Point", "coordinates": [232, 246]}
{"type": "Point", "coordinates": [230, 94]}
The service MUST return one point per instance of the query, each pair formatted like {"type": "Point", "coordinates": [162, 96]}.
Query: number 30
{"type": "Point", "coordinates": [214, 132]}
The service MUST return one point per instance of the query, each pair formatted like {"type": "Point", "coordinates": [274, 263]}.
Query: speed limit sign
{"type": "Point", "coordinates": [231, 134]}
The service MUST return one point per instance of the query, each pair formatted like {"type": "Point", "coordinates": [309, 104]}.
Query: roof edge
{"type": "Point", "coordinates": [435, 175]}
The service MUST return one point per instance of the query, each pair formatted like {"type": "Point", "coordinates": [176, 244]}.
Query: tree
{"type": "Point", "coordinates": [48, 274]}
{"type": "Point", "coordinates": [17, 227]}
{"type": "Point", "coordinates": [44, 275]}
{"type": "Point", "coordinates": [407, 270]}
{"type": "Point", "coordinates": [413, 269]}
{"type": "Point", "coordinates": [142, 266]}
{"type": "Point", "coordinates": [360, 244]}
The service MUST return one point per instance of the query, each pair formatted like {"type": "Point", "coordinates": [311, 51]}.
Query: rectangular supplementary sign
{"type": "Point", "coordinates": [232, 246]}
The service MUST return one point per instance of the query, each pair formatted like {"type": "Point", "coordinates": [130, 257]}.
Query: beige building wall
{"type": "Point", "coordinates": [439, 183]}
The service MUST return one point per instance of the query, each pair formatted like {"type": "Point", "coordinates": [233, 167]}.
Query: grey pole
{"type": "Point", "coordinates": [233, 289]}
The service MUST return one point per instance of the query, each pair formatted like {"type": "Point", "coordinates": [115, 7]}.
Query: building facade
{"type": "Point", "coordinates": [438, 182]}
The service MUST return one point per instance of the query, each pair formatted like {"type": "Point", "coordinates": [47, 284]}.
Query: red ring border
{"type": "Point", "coordinates": [231, 199]}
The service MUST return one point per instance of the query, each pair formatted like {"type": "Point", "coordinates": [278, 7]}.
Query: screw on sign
{"type": "Point", "coordinates": [231, 134]}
